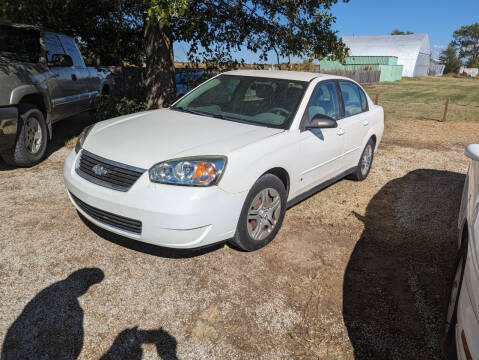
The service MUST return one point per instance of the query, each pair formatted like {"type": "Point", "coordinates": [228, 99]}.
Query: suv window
{"type": "Point", "coordinates": [52, 45]}
{"type": "Point", "coordinates": [19, 44]}
{"type": "Point", "coordinates": [351, 98]}
{"type": "Point", "coordinates": [325, 101]}
{"type": "Point", "coordinates": [71, 49]}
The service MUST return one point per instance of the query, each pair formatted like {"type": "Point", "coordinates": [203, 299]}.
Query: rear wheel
{"type": "Point", "coordinates": [32, 138]}
{"type": "Point", "coordinates": [262, 214]}
{"type": "Point", "coordinates": [365, 162]}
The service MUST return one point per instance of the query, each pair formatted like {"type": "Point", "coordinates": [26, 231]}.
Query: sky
{"type": "Point", "coordinates": [438, 18]}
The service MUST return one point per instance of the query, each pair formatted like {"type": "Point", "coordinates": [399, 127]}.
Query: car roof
{"type": "Point", "coordinates": [30, 27]}
{"type": "Point", "coordinates": [283, 74]}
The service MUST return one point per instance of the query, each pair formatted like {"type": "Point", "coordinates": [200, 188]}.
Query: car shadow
{"type": "Point", "coordinates": [51, 326]}
{"type": "Point", "coordinates": [146, 248]}
{"type": "Point", "coordinates": [65, 131]}
{"type": "Point", "coordinates": [396, 283]}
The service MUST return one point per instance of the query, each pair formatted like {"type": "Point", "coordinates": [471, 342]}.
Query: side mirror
{"type": "Point", "coordinates": [61, 60]}
{"type": "Point", "coordinates": [472, 152]}
{"type": "Point", "coordinates": [320, 121]}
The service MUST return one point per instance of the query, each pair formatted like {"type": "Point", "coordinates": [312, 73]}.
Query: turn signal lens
{"type": "Point", "coordinates": [200, 171]}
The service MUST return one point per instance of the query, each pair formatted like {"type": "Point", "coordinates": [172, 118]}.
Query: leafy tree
{"type": "Point", "coordinates": [399, 32]}
{"type": "Point", "coordinates": [450, 60]}
{"type": "Point", "coordinates": [466, 39]}
{"type": "Point", "coordinates": [216, 29]}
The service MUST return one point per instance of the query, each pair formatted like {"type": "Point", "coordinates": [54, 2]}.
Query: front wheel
{"type": "Point", "coordinates": [262, 214]}
{"type": "Point", "coordinates": [32, 138]}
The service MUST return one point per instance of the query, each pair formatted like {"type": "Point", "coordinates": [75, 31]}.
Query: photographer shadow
{"type": "Point", "coordinates": [51, 326]}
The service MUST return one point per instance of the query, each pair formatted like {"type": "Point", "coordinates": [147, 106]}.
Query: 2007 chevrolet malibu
{"type": "Point", "coordinates": [226, 160]}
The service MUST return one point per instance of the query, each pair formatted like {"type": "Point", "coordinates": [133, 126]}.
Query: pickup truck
{"type": "Point", "coordinates": [43, 79]}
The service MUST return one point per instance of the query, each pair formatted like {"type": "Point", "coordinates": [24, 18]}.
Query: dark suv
{"type": "Point", "coordinates": [43, 79]}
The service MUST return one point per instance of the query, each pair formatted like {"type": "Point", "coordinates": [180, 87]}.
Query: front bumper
{"type": "Point", "coordinates": [171, 216]}
{"type": "Point", "coordinates": [467, 322]}
{"type": "Point", "coordinates": [8, 127]}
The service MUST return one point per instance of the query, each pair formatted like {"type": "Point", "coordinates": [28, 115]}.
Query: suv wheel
{"type": "Point", "coordinates": [262, 214]}
{"type": "Point", "coordinates": [32, 138]}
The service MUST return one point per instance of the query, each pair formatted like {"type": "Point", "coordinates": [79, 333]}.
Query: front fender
{"type": "Point", "coordinates": [245, 166]}
{"type": "Point", "coordinates": [23, 90]}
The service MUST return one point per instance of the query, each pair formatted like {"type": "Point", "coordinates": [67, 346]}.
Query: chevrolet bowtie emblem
{"type": "Point", "coordinates": [99, 170]}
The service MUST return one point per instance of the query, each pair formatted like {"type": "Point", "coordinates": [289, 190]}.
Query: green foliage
{"type": "Point", "coordinates": [218, 28]}
{"type": "Point", "coordinates": [399, 32]}
{"type": "Point", "coordinates": [161, 10]}
{"type": "Point", "coordinates": [466, 39]}
{"type": "Point", "coordinates": [450, 60]}
{"type": "Point", "coordinates": [110, 106]}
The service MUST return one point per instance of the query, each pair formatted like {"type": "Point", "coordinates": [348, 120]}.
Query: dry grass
{"type": "Point", "coordinates": [424, 98]}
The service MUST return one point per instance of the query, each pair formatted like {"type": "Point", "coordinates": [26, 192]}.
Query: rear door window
{"type": "Point", "coordinates": [19, 44]}
{"type": "Point", "coordinates": [351, 98]}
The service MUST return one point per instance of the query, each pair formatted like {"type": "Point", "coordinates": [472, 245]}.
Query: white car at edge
{"type": "Point", "coordinates": [462, 319]}
{"type": "Point", "coordinates": [226, 160]}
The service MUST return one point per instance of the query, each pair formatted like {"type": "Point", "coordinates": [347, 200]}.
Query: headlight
{"type": "Point", "coordinates": [82, 137]}
{"type": "Point", "coordinates": [196, 171]}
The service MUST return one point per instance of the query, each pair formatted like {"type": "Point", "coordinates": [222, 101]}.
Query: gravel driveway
{"type": "Point", "coordinates": [359, 270]}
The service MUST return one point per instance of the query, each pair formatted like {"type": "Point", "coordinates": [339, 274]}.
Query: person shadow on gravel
{"type": "Point", "coordinates": [51, 324]}
{"type": "Point", "coordinates": [127, 345]}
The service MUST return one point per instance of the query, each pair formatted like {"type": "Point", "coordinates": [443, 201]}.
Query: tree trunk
{"type": "Point", "coordinates": [160, 65]}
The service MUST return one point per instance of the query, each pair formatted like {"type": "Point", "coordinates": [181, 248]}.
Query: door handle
{"type": "Point", "coordinates": [74, 77]}
{"type": "Point", "coordinates": [341, 131]}
{"type": "Point", "coordinates": [366, 123]}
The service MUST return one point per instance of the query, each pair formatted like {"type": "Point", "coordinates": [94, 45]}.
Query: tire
{"type": "Point", "coordinates": [361, 172]}
{"type": "Point", "coordinates": [270, 187]}
{"type": "Point", "coordinates": [32, 138]}
{"type": "Point", "coordinates": [454, 292]}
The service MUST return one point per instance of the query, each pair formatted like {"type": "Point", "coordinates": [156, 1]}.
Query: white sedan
{"type": "Point", "coordinates": [462, 321]}
{"type": "Point", "coordinates": [226, 160]}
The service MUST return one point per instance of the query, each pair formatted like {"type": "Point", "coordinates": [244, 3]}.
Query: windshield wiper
{"type": "Point", "coordinates": [183, 109]}
{"type": "Point", "coordinates": [203, 113]}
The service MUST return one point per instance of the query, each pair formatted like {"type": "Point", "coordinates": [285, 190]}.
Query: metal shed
{"type": "Point", "coordinates": [412, 51]}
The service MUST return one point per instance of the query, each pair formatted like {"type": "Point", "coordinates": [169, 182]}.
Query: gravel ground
{"type": "Point", "coordinates": [359, 270]}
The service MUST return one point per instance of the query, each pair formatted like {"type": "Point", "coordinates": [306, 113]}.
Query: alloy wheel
{"type": "Point", "coordinates": [33, 135]}
{"type": "Point", "coordinates": [263, 214]}
{"type": "Point", "coordinates": [366, 160]}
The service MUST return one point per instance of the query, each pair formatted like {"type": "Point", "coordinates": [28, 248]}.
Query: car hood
{"type": "Point", "coordinates": [146, 138]}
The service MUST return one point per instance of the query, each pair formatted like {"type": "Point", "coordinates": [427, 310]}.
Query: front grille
{"type": "Point", "coordinates": [108, 218]}
{"type": "Point", "coordinates": [110, 174]}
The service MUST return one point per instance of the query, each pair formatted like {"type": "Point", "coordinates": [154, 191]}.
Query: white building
{"type": "Point", "coordinates": [412, 51]}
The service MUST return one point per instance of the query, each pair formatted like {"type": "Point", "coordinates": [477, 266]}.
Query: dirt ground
{"type": "Point", "coordinates": [358, 271]}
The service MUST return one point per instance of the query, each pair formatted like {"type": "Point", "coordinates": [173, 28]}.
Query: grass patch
{"type": "Point", "coordinates": [423, 98]}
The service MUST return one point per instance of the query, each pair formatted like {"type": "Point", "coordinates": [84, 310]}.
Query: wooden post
{"type": "Point", "coordinates": [446, 106]}
{"type": "Point", "coordinates": [377, 99]}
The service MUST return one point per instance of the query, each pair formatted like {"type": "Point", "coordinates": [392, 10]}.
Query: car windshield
{"type": "Point", "coordinates": [256, 100]}
{"type": "Point", "coordinates": [19, 44]}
